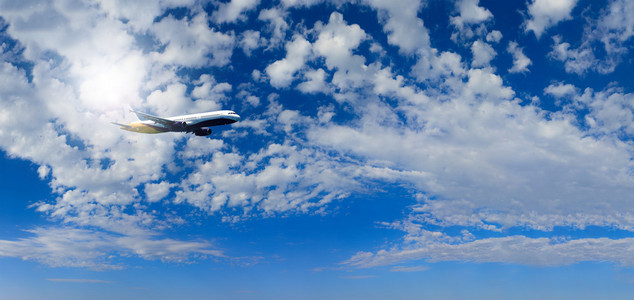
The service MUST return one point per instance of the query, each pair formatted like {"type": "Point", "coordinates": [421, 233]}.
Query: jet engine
{"type": "Point", "coordinates": [202, 132]}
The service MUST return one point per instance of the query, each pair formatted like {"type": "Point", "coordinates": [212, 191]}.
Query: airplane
{"type": "Point", "coordinates": [194, 123]}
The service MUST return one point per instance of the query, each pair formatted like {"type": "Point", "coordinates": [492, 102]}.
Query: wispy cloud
{"type": "Point", "coordinates": [72, 247]}
{"type": "Point", "coordinates": [409, 269]}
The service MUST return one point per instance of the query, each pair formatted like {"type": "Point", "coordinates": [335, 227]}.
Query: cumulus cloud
{"type": "Point", "coordinates": [445, 68]}
{"type": "Point", "coordinates": [336, 43]}
{"type": "Point", "coordinates": [470, 12]}
{"type": "Point", "coordinates": [611, 111]}
{"type": "Point", "coordinates": [315, 82]}
{"type": "Point", "coordinates": [337, 40]}
{"type": "Point", "coordinates": [157, 191]}
{"type": "Point", "coordinates": [402, 24]}
{"type": "Point", "coordinates": [469, 21]}
{"type": "Point", "coordinates": [494, 36]}
{"type": "Point", "coordinates": [233, 11]}
{"type": "Point", "coordinates": [282, 72]}
{"type": "Point", "coordinates": [547, 13]}
{"type": "Point", "coordinates": [250, 40]}
{"type": "Point", "coordinates": [520, 61]}
{"type": "Point", "coordinates": [576, 60]}
{"type": "Point", "coordinates": [276, 24]}
{"type": "Point", "coordinates": [191, 43]}
{"type": "Point", "coordinates": [560, 90]}
{"type": "Point", "coordinates": [487, 85]}
{"type": "Point", "coordinates": [482, 53]}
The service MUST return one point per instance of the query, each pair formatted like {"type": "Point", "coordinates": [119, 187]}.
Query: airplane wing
{"type": "Point", "coordinates": [166, 122]}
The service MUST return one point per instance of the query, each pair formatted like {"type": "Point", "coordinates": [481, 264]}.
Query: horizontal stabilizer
{"type": "Point", "coordinates": [122, 125]}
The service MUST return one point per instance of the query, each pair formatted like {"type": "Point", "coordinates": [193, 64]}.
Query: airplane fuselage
{"type": "Point", "coordinates": [195, 123]}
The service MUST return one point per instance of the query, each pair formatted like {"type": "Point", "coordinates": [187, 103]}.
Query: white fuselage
{"type": "Point", "coordinates": [184, 123]}
{"type": "Point", "coordinates": [194, 119]}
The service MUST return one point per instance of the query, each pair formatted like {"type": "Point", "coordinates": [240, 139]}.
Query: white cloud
{"type": "Point", "coordinates": [157, 191]}
{"type": "Point", "coordinates": [248, 98]}
{"type": "Point", "coordinates": [470, 12]}
{"type": "Point", "coordinates": [402, 24]}
{"type": "Point", "coordinates": [560, 90]}
{"type": "Point", "coordinates": [300, 3]}
{"type": "Point", "coordinates": [494, 36]}
{"type": "Point", "coordinates": [278, 179]}
{"type": "Point", "coordinates": [508, 250]}
{"type": "Point", "coordinates": [613, 29]}
{"type": "Point", "coordinates": [576, 60]}
{"type": "Point", "coordinates": [446, 67]}
{"type": "Point", "coordinates": [408, 32]}
{"type": "Point", "coordinates": [209, 94]}
{"type": "Point", "coordinates": [250, 40]}
{"type": "Point", "coordinates": [315, 82]}
{"type": "Point", "coordinates": [611, 111]}
{"type": "Point", "coordinates": [547, 13]}
{"type": "Point", "coordinates": [337, 40]}
{"type": "Point", "coordinates": [485, 84]}
{"type": "Point", "coordinates": [520, 61]}
{"type": "Point", "coordinates": [191, 43]}
{"type": "Point", "coordinates": [616, 26]}
{"type": "Point", "coordinates": [484, 159]}
{"type": "Point", "coordinates": [409, 269]}
{"type": "Point", "coordinates": [168, 102]}
{"type": "Point", "coordinates": [197, 148]}
{"type": "Point", "coordinates": [282, 72]}
{"type": "Point", "coordinates": [43, 172]}
{"type": "Point", "coordinates": [386, 83]}
{"type": "Point", "coordinates": [139, 14]}
{"type": "Point", "coordinates": [483, 53]}
{"type": "Point", "coordinates": [71, 247]}
{"type": "Point", "coordinates": [469, 22]}
{"type": "Point", "coordinates": [277, 24]}
{"type": "Point", "coordinates": [233, 11]}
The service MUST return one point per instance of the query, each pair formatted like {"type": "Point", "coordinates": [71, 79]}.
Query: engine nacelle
{"type": "Point", "coordinates": [202, 132]}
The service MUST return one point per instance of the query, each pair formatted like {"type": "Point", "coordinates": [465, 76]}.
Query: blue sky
{"type": "Point", "coordinates": [387, 150]}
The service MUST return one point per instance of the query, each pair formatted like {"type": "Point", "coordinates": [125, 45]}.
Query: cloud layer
{"type": "Point", "coordinates": [473, 151]}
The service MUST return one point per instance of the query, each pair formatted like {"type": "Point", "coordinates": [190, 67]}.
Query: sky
{"type": "Point", "coordinates": [408, 149]}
